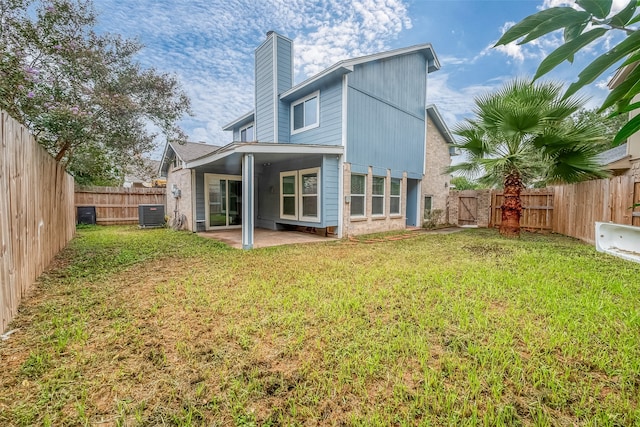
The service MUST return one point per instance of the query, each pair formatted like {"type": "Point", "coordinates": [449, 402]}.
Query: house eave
{"type": "Point", "coordinates": [164, 157]}
{"type": "Point", "coordinates": [619, 165]}
{"type": "Point", "coordinates": [264, 147]}
{"type": "Point", "coordinates": [434, 113]}
{"type": "Point", "coordinates": [346, 66]}
{"type": "Point", "coordinates": [336, 70]}
{"type": "Point", "coordinates": [621, 74]}
{"type": "Point", "coordinates": [242, 120]}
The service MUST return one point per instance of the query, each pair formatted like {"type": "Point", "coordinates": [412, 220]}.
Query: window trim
{"type": "Point", "coordinates": [318, 198]}
{"type": "Point", "coordinates": [245, 127]}
{"type": "Point", "coordinates": [397, 196]}
{"type": "Point", "coordinates": [207, 178]}
{"type": "Point", "coordinates": [427, 211]}
{"type": "Point", "coordinates": [295, 195]}
{"type": "Point", "coordinates": [363, 195]}
{"type": "Point", "coordinates": [298, 195]}
{"type": "Point", "coordinates": [382, 196]}
{"type": "Point", "coordinates": [315, 94]}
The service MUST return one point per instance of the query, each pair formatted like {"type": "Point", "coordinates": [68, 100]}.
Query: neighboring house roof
{"type": "Point", "coordinates": [613, 155]}
{"type": "Point", "coordinates": [433, 112]}
{"type": "Point", "coordinates": [344, 67]}
{"type": "Point", "coordinates": [192, 150]}
{"type": "Point", "coordinates": [141, 173]}
{"type": "Point", "coordinates": [622, 74]}
{"type": "Point", "coordinates": [185, 152]}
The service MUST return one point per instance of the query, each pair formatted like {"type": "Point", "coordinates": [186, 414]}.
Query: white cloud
{"type": "Point", "coordinates": [616, 5]}
{"type": "Point", "coordinates": [537, 49]}
{"type": "Point", "coordinates": [456, 104]}
{"type": "Point", "coordinates": [210, 43]}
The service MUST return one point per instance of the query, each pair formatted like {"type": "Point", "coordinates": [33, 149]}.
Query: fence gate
{"type": "Point", "coordinates": [467, 210]}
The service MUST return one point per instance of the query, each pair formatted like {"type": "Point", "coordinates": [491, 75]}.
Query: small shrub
{"type": "Point", "coordinates": [432, 218]}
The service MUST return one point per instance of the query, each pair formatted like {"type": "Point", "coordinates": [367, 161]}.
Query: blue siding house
{"type": "Point", "coordinates": [344, 151]}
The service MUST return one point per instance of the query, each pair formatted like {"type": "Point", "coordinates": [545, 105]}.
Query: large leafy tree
{"type": "Point", "coordinates": [589, 22]}
{"type": "Point", "coordinates": [465, 183]}
{"type": "Point", "coordinates": [608, 122]}
{"type": "Point", "coordinates": [83, 94]}
{"type": "Point", "coordinates": [523, 134]}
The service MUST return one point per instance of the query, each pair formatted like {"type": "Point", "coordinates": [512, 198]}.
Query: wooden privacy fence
{"type": "Point", "coordinates": [579, 206]}
{"type": "Point", "coordinates": [571, 210]}
{"type": "Point", "coordinates": [537, 213]}
{"type": "Point", "coordinates": [467, 210]}
{"type": "Point", "coordinates": [37, 217]}
{"type": "Point", "coordinates": [118, 205]}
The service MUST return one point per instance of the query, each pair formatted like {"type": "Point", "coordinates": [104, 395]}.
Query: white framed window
{"type": "Point", "coordinates": [300, 195]}
{"type": "Point", "coordinates": [309, 194]}
{"type": "Point", "coordinates": [289, 195]}
{"type": "Point", "coordinates": [394, 197]}
{"type": "Point", "coordinates": [428, 203]}
{"type": "Point", "coordinates": [377, 196]}
{"type": "Point", "coordinates": [358, 194]}
{"type": "Point", "coordinates": [247, 134]}
{"type": "Point", "coordinates": [305, 113]}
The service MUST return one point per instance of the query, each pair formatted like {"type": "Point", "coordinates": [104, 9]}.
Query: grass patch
{"type": "Point", "coordinates": [146, 327]}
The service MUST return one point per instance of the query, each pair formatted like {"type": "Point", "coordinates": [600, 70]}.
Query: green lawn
{"type": "Point", "coordinates": [154, 327]}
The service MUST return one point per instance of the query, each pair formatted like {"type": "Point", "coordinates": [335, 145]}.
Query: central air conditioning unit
{"type": "Point", "coordinates": [151, 216]}
{"type": "Point", "coordinates": [86, 215]}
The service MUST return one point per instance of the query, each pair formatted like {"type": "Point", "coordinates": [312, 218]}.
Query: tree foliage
{"type": "Point", "coordinates": [83, 94]}
{"type": "Point", "coordinates": [465, 183]}
{"type": "Point", "coordinates": [524, 134]}
{"type": "Point", "coordinates": [581, 27]}
{"type": "Point", "coordinates": [606, 120]}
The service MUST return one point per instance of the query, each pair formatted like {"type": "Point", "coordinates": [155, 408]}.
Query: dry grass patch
{"type": "Point", "coordinates": [153, 327]}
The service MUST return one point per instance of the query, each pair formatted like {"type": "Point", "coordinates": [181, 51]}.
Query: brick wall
{"type": "Point", "coordinates": [182, 179]}
{"type": "Point", "coordinates": [483, 213]}
{"type": "Point", "coordinates": [370, 224]}
{"type": "Point", "coordinates": [436, 181]}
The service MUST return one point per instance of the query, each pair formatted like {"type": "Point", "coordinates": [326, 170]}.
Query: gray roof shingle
{"type": "Point", "coordinates": [193, 150]}
{"type": "Point", "coordinates": [612, 155]}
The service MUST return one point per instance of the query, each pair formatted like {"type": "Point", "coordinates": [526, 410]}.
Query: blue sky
{"type": "Point", "coordinates": [209, 44]}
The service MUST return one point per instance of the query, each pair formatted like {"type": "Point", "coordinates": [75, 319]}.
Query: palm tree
{"type": "Point", "coordinates": [523, 135]}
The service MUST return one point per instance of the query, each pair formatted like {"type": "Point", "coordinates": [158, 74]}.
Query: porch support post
{"type": "Point", "coordinates": [247, 200]}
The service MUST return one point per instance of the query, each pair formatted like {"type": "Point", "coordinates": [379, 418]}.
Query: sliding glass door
{"type": "Point", "coordinates": [223, 200]}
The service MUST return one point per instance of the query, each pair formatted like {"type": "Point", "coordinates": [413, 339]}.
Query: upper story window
{"type": "Point", "coordinates": [247, 134]}
{"type": "Point", "coordinates": [305, 113]}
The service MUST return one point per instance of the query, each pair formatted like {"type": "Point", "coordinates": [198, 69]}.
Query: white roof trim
{"type": "Point", "coordinates": [347, 65]}
{"type": "Point", "coordinates": [262, 147]}
{"type": "Point", "coordinates": [240, 119]}
{"type": "Point", "coordinates": [163, 158]}
{"type": "Point", "coordinates": [621, 74]}
{"type": "Point", "coordinates": [433, 111]}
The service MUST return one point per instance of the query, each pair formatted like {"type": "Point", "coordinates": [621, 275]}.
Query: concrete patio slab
{"type": "Point", "coordinates": [263, 238]}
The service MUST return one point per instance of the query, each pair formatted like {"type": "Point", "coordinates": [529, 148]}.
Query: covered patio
{"type": "Point", "coordinates": [263, 238]}
{"type": "Point", "coordinates": [254, 174]}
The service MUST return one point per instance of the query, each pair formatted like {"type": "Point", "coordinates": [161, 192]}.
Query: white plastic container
{"type": "Point", "coordinates": [619, 240]}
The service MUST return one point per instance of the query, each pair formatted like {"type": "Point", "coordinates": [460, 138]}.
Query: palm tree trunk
{"type": "Point", "coordinates": [511, 206]}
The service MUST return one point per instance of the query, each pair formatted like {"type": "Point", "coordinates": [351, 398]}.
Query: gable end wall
{"type": "Point", "coordinates": [386, 115]}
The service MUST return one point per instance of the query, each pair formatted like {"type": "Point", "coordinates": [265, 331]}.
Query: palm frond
{"type": "Point", "coordinates": [527, 128]}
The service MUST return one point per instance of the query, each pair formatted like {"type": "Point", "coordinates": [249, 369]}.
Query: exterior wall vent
{"type": "Point", "coordinates": [151, 215]}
